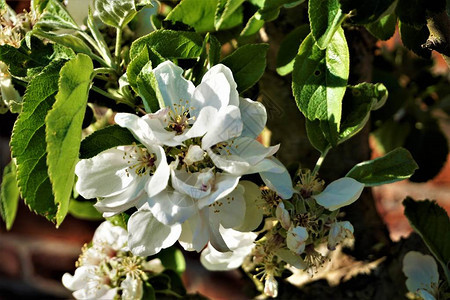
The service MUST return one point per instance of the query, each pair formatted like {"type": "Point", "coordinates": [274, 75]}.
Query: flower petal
{"type": "Point", "coordinates": [254, 207]}
{"type": "Point", "coordinates": [279, 182]}
{"type": "Point", "coordinates": [421, 271]}
{"type": "Point", "coordinates": [114, 236]}
{"type": "Point", "coordinates": [103, 175]}
{"type": "Point", "coordinates": [223, 185]}
{"type": "Point", "coordinates": [217, 88]}
{"type": "Point", "coordinates": [339, 193]}
{"type": "Point", "coordinates": [227, 125]}
{"type": "Point", "coordinates": [296, 238]}
{"type": "Point", "coordinates": [254, 117]}
{"type": "Point", "coordinates": [171, 83]}
{"type": "Point", "coordinates": [187, 183]}
{"type": "Point", "coordinates": [160, 178]}
{"type": "Point", "coordinates": [147, 236]}
{"type": "Point", "coordinates": [171, 207]}
{"type": "Point", "coordinates": [195, 234]}
{"type": "Point", "coordinates": [229, 211]}
{"type": "Point", "coordinates": [205, 118]}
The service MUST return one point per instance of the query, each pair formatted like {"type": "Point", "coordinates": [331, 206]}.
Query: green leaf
{"type": "Point", "coordinates": [315, 136]}
{"type": "Point", "coordinates": [366, 11]}
{"type": "Point", "coordinates": [9, 195]}
{"type": "Point", "coordinates": [325, 17]}
{"type": "Point", "coordinates": [99, 39]}
{"type": "Point", "coordinates": [384, 28]}
{"type": "Point", "coordinates": [63, 129]}
{"type": "Point", "coordinates": [116, 13]}
{"type": "Point", "coordinates": [431, 222]}
{"type": "Point", "coordinates": [147, 86]}
{"type": "Point", "coordinates": [67, 40]}
{"type": "Point", "coordinates": [55, 16]}
{"type": "Point", "coordinates": [247, 64]}
{"type": "Point", "coordinates": [413, 38]}
{"type": "Point", "coordinates": [358, 101]}
{"type": "Point", "coordinates": [412, 12]}
{"type": "Point", "coordinates": [135, 66]}
{"type": "Point", "coordinates": [201, 15]}
{"type": "Point", "coordinates": [390, 135]}
{"type": "Point", "coordinates": [394, 166]}
{"type": "Point", "coordinates": [28, 141]}
{"type": "Point", "coordinates": [319, 80]}
{"type": "Point", "coordinates": [22, 59]}
{"type": "Point", "coordinates": [104, 139]}
{"type": "Point", "coordinates": [289, 49]}
{"type": "Point", "coordinates": [170, 44]}
{"type": "Point", "coordinates": [176, 284]}
{"type": "Point", "coordinates": [225, 8]}
{"type": "Point", "coordinates": [254, 24]}
{"type": "Point", "coordinates": [173, 259]}
{"type": "Point", "coordinates": [214, 50]}
{"type": "Point", "coordinates": [84, 210]}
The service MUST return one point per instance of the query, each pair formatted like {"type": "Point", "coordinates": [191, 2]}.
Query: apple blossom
{"type": "Point", "coordinates": [422, 273]}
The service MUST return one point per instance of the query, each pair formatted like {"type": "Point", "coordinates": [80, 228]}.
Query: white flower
{"type": "Point", "coordinates": [240, 244]}
{"type": "Point", "coordinates": [88, 283]}
{"type": "Point", "coordinates": [271, 286]}
{"type": "Point", "coordinates": [132, 288]}
{"type": "Point", "coordinates": [339, 193]}
{"type": "Point", "coordinates": [119, 176]}
{"type": "Point", "coordinates": [422, 273]}
{"type": "Point", "coordinates": [283, 216]}
{"type": "Point", "coordinates": [254, 207]}
{"type": "Point", "coordinates": [339, 231]}
{"type": "Point", "coordinates": [296, 238]}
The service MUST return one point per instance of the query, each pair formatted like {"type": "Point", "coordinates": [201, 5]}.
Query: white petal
{"type": "Point", "coordinates": [126, 199]}
{"type": "Point", "coordinates": [254, 117]}
{"type": "Point", "coordinates": [421, 271]}
{"type": "Point", "coordinates": [132, 288]}
{"type": "Point", "coordinates": [206, 117]}
{"type": "Point", "coordinates": [171, 207]}
{"type": "Point", "coordinates": [251, 150]}
{"type": "Point", "coordinates": [171, 83]}
{"type": "Point", "coordinates": [228, 125]}
{"type": "Point", "coordinates": [188, 183]}
{"type": "Point", "coordinates": [223, 185]}
{"type": "Point", "coordinates": [114, 236]}
{"type": "Point", "coordinates": [147, 236]}
{"type": "Point", "coordinates": [195, 234]}
{"type": "Point", "coordinates": [160, 178]}
{"type": "Point", "coordinates": [193, 155]}
{"type": "Point", "coordinates": [138, 127]}
{"type": "Point", "coordinates": [296, 238]}
{"type": "Point", "coordinates": [339, 193]}
{"type": "Point", "coordinates": [279, 182]}
{"type": "Point", "coordinates": [217, 88]}
{"type": "Point", "coordinates": [79, 278]}
{"type": "Point", "coordinates": [254, 207]}
{"type": "Point", "coordinates": [229, 211]}
{"type": "Point", "coordinates": [339, 231]}
{"type": "Point", "coordinates": [232, 164]}
{"type": "Point", "coordinates": [216, 239]}
{"type": "Point", "coordinates": [283, 216]}
{"type": "Point", "coordinates": [103, 175]}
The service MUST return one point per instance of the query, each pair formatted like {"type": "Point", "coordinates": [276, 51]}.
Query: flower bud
{"type": "Point", "coordinates": [271, 286]}
{"type": "Point", "coordinates": [296, 238]}
{"type": "Point", "coordinates": [283, 216]}
{"type": "Point", "coordinates": [339, 231]}
{"type": "Point", "coordinates": [193, 155]}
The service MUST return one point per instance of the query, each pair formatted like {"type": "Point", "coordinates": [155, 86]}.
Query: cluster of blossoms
{"type": "Point", "coordinates": [184, 175]}
{"type": "Point", "coordinates": [106, 269]}
{"type": "Point", "coordinates": [14, 27]}
{"type": "Point", "coordinates": [183, 180]}
{"type": "Point", "coordinates": [10, 99]}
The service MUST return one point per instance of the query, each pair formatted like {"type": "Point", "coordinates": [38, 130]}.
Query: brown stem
{"type": "Point", "coordinates": [439, 40]}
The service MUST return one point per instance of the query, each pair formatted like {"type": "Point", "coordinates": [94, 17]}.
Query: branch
{"type": "Point", "coordinates": [439, 40]}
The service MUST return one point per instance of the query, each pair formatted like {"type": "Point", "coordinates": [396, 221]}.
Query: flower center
{"type": "Point", "coordinates": [141, 161]}
{"type": "Point", "coordinates": [178, 118]}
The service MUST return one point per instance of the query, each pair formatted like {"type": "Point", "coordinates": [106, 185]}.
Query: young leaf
{"type": "Point", "coordinates": [55, 16]}
{"type": "Point", "coordinates": [172, 258]}
{"type": "Point", "coordinates": [358, 101]}
{"type": "Point", "coordinates": [104, 139]}
{"type": "Point", "coordinates": [289, 49]}
{"type": "Point", "coordinates": [9, 195]}
{"type": "Point", "coordinates": [63, 129]}
{"type": "Point", "coordinates": [214, 50]}
{"type": "Point", "coordinates": [28, 141]}
{"type": "Point", "coordinates": [394, 166]}
{"type": "Point", "coordinates": [319, 80]}
{"type": "Point", "coordinates": [136, 65]}
{"type": "Point", "coordinates": [225, 8]}
{"type": "Point", "coordinates": [431, 222]}
{"type": "Point", "coordinates": [414, 37]}
{"type": "Point", "coordinates": [384, 28]}
{"type": "Point", "coordinates": [366, 11]}
{"type": "Point", "coordinates": [170, 44]}
{"type": "Point", "coordinates": [116, 13]}
{"type": "Point", "coordinates": [325, 17]}
{"type": "Point", "coordinates": [247, 64]}
{"type": "Point", "coordinates": [84, 210]}
{"type": "Point", "coordinates": [315, 136]}
{"type": "Point", "coordinates": [99, 39]}
{"type": "Point", "coordinates": [201, 15]}
{"type": "Point", "coordinates": [148, 89]}
{"type": "Point", "coordinates": [21, 59]}
{"type": "Point", "coordinates": [67, 40]}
